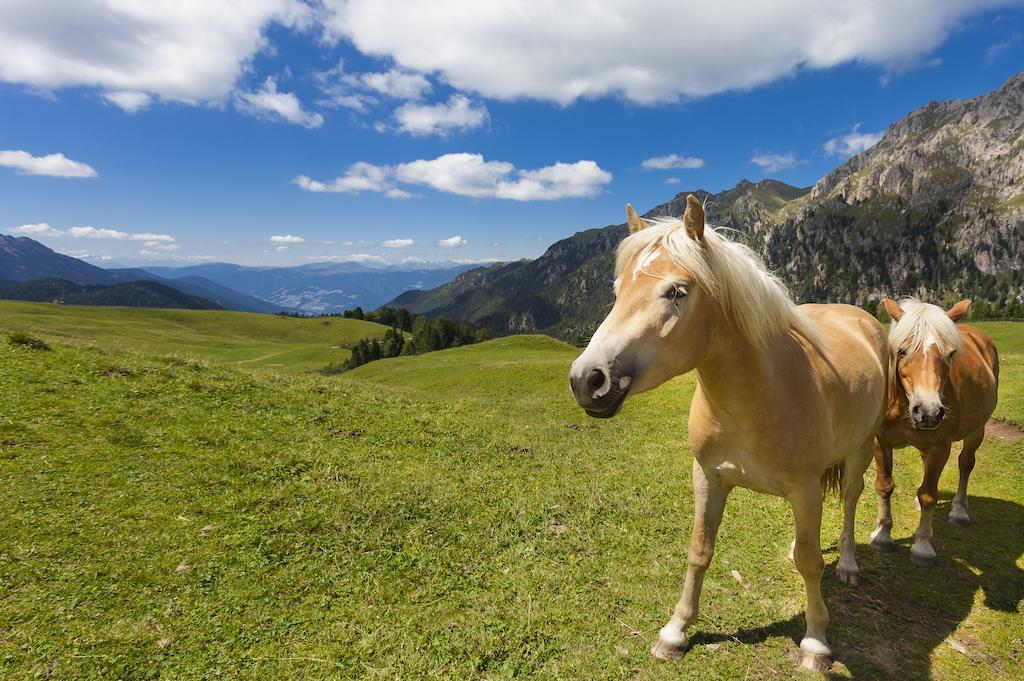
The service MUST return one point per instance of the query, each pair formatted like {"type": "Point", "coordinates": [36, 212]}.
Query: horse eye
{"type": "Point", "coordinates": [674, 293]}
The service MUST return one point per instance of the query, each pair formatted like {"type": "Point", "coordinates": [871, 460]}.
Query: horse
{"type": "Point", "coordinates": [944, 390]}
{"type": "Point", "coordinates": [788, 398]}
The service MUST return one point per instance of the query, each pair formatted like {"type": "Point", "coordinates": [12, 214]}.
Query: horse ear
{"type": "Point", "coordinates": [960, 310]}
{"type": "Point", "coordinates": [893, 308]}
{"type": "Point", "coordinates": [633, 220]}
{"type": "Point", "coordinates": [693, 218]}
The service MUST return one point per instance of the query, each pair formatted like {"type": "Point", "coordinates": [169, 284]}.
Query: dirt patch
{"type": "Point", "coordinates": [1004, 430]}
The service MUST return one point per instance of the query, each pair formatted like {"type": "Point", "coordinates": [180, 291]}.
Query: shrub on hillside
{"type": "Point", "coordinates": [21, 338]}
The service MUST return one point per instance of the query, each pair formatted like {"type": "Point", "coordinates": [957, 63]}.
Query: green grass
{"type": "Point", "coordinates": [446, 515]}
{"type": "Point", "coordinates": [241, 338]}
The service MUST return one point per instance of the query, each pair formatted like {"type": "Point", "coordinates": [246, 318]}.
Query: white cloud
{"type": "Point", "coordinates": [644, 50]}
{"type": "Point", "coordinates": [113, 234]}
{"type": "Point", "coordinates": [452, 242]}
{"type": "Point", "coordinates": [361, 177]}
{"type": "Point", "coordinates": [129, 100]}
{"type": "Point", "coordinates": [851, 143]}
{"type": "Point", "coordinates": [39, 229]}
{"type": "Point", "coordinates": [396, 83]}
{"type": "Point", "coordinates": [469, 175]}
{"type": "Point", "coordinates": [358, 244]}
{"type": "Point", "coordinates": [398, 243]}
{"type": "Point", "coordinates": [673, 161]}
{"type": "Point", "coordinates": [287, 239]}
{"type": "Point", "coordinates": [269, 103]}
{"type": "Point", "coordinates": [458, 113]}
{"type": "Point", "coordinates": [771, 162]}
{"type": "Point", "coordinates": [672, 180]}
{"type": "Point", "coordinates": [51, 165]}
{"type": "Point", "coordinates": [185, 51]}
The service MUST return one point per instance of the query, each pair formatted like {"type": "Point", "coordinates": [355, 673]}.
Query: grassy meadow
{"type": "Point", "coordinates": [239, 338]}
{"type": "Point", "coordinates": [451, 515]}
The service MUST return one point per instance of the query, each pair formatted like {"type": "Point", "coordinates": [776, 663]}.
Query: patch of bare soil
{"type": "Point", "coordinates": [1004, 430]}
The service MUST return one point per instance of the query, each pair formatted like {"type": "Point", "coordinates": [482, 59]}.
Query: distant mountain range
{"type": "Point", "coordinates": [935, 209]}
{"type": "Point", "coordinates": [129, 294]}
{"type": "Point", "coordinates": [23, 259]}
{"type": "Point", "coordinates": [317, 287]}
{"type": "Point", "coordinates": [313, 288]}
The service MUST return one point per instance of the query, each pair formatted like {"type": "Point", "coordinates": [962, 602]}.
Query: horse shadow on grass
{"type": "Point", "coordinates": [889, 625]}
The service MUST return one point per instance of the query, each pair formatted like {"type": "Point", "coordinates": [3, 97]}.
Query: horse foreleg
{"type": "Point", "coordinates": [881, 538]}
{"type": "Point", "coordinates": [709, 504]}
{"type": "Point", "coordinates": [806, 502]}
{"type": "Point", "coordinates": [958, 513]}
{"type": "Point", "coordinates": [851, 487]}
{"type": "Point", "coordinates": [934, 459]}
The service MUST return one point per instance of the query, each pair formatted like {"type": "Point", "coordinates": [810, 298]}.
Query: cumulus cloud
{"type": "Point", "coordinates": [398, 243]}
{"type": "Point", "coordinates": [469, 175]}
{"type": "Point", "coordinates": [286, 239]}
{"type": "Point", "coordinates": [672, 162]}
{"type": "Point", "coordinates": [770, 162]}
{"type": "Point", "coordinates": [645, 50]}
{"type": "Point", "coordinates": [396, 83]}
{"type": "Point", "coordinates": [38, 229]}
{"type": "Point", "coordinates": [852, 142]}
{"type": "Point", "coordinates": [452, 242]}
{"type": "Point", "coordinates": [51, 165]}
{"type": "Point", "coordinates": [186, 51]}
{"type": "Point", "coordinates": [458, 113]}
{"type": "Point", "coordinates": [117, 235]}
{"type": "Point", "coordinates": [129, 100]}
{"type": "Point", "coordinates": [267, 102]}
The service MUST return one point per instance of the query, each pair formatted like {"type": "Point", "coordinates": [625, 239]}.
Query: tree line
{"type": "Point", "coordinates": [410, 334]}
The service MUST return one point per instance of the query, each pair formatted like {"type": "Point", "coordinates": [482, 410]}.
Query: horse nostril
{"type": "Point", "coordinates": [595, 380]}
{"type": "Point", "coordinates": [916, 410]}
{"type": "Point", "coordinates": [941, 413]}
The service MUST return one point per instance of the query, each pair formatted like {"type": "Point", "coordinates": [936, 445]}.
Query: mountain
{"type": "Point", "coordinates": [318, 287]}
{"type": "Point", "coordinates": [128, 294]}
{"type": "Point", "coordinates": [24, 259]}
{"type": "Point", "coordinates": [935, 209]}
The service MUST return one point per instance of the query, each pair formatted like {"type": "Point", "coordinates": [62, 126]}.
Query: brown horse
{"type": "Point", "coordinates": [787, 397]}
{"type": "Point", "coordinates": [943, 390]}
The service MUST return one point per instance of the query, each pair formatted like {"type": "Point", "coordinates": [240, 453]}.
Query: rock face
{"type": "Point", "coordinates": [935, 209]}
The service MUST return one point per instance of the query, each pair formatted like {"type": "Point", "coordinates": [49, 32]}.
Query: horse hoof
{"type": "Point", "coordinates": [816, 663]}
{"type": "Point", "coordinates": [883, 546]}
{"type": "Point", "coordinates": [849, 576]}
{"type": "Point", "coordinates": [922, 561]}
{"type": "Point", "coordinates": [660, 650]}
{"type": "Point", "coordinates": [959, 520]}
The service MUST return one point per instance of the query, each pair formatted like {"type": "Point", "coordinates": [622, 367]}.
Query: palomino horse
{"type": "Point", "coordinates": [943, 390]}
{"type": "Point", "coordinates": [788, 397]}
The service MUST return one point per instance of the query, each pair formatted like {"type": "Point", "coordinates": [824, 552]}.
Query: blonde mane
{"type": "Point", "coordinates": [922, 325]}
{"type": "Point", "coordinates": [732, 274]}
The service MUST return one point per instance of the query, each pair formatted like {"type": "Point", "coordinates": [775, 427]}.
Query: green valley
{"type": "Point", "coordinates": [449, 514]}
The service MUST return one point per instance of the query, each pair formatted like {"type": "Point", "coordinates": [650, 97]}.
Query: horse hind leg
{"type": "Point", "coordinates": [851, 486]}
{"type": "Point", "coordinates": [958, 513]}
{"type": "Point", "coordinates": [806, 502]}
{"type": "Point", "coordinates": [881, 538]}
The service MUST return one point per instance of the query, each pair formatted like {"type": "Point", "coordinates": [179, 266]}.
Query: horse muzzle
{"type": "Point", "coordinates": [598, 391]}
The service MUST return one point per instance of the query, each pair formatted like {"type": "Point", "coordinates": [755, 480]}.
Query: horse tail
{"type": "Point", "coordinates": [832, 478]}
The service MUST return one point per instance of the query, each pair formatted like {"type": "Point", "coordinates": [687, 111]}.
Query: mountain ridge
{"type": "Point", "coordinates": [934, 209]}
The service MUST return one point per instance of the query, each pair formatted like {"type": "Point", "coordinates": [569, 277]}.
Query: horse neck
{"type": "Point", "coordinates": [732, 374]}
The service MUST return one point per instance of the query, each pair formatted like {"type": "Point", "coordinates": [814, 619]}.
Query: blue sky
{"type": "Point", "coordinates": [201, 134]}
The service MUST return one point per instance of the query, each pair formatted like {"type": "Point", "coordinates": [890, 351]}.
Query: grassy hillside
{"type": "Point", "coordinates": [240, 338]}
{"type": "Point", "coordinates": [451, 514]}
